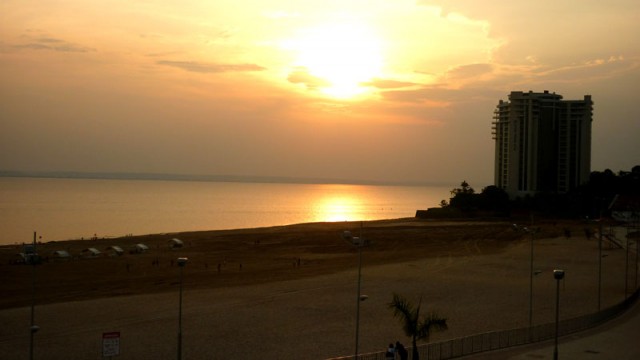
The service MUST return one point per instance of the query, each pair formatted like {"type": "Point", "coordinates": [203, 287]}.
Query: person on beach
{"type": "Point", "coordinates": [401, 351]}
{"type": "Point", "coordinates": [391, 353]}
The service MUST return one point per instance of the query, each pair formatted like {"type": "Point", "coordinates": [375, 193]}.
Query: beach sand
{"type": "Point", "coordinates": [290, 292]}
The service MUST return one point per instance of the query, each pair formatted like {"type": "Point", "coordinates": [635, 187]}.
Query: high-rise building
{"type": "Point", "coordinates": [543, 143]}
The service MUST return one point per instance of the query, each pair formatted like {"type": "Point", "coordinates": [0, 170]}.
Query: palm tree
{"type": "Point", "coordinates": [413, 325]}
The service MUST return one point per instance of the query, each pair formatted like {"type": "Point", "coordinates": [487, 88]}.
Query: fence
{"type": "Point", "coordinates": [473, 344]}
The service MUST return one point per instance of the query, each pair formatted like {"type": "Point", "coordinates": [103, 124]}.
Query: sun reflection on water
{"type": "Point", "coordinates": [337, 209]}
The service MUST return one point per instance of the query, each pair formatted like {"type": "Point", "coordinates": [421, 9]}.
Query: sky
{"type": "Point", "coordinates": [389, 91]}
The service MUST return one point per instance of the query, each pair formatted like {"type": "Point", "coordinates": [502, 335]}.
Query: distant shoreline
{"type": "Point", "coordinates": [204, 178]}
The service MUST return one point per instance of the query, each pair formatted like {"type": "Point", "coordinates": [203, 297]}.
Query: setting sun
{"type": "Point", "coordinates": [355, 90]}
{"type": "Point", "coordinates": [338, 57]}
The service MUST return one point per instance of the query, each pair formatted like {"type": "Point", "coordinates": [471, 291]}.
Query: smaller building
{"type": "Point", "coordinates": [626, 208]}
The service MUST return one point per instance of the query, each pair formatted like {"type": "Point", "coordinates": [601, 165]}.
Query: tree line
{"type": "Point", "coordinates": [592, 199]}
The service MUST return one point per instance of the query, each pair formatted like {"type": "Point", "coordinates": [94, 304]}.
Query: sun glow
{"type": "Point", "coordinates": [338, 58]}
{"type": "Point", "coordinates": [340, 208]}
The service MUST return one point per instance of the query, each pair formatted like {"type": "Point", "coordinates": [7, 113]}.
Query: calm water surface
{"type": "Point", "coordinates": [61, 209]}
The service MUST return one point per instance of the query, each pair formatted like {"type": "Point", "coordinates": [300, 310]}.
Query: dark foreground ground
{"type": "Point", "coordinates": [289, 292]}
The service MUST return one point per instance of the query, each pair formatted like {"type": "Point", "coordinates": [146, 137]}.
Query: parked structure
{"type": "Point", "coordinates": [114, 250]}
{"type": "Point", "coordinates": [61, 255]}
{"type": "Point", "coordinates": [542, 143]}
{"type": "Point", "coordinates": [138, 249]}
{"type": "Point", "coordinates": [91, 252]}
{"type": "Point", "coordinates": [175, 243]}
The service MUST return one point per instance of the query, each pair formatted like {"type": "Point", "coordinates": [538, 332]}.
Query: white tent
{"type": "Point", "coordinates": [175, 243]}
{"type": "Point", "coordinates": [114, 250]}
{"type": "Point", "coordinates": [139, 248]}
{"type": "Point", "coordinates": [91, 252]}
{"type": "Point", "coordinates": [61, 254]}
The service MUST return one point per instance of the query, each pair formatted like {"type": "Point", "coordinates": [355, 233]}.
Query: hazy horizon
{"type": "Point", "coordinates": [211, 178]}
{"type": "Point", "coordinates": [367, 91]}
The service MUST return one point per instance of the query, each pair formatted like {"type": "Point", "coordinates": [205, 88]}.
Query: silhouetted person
{"type": "Point", "coordinates": [401, 351]}
{"type": "Point", "coordinates": [391, 353]}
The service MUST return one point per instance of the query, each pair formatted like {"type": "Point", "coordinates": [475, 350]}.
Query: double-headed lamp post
{"type": "Point", "coordinates": [181, 263]}
{"type": "Point", "coordinates": [359, 242]}
{"type": "Point", "coordinates": [558, 275]}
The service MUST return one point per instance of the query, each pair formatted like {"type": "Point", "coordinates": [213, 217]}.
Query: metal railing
{"type": "Point", "coordinates": [496, 340]}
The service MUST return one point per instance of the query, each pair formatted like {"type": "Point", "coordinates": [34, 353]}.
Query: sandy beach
{"type": "Point", "coordinates": [290, 292]}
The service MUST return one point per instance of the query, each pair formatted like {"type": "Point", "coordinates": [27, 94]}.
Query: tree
{"type": "Point", "coordinates": [494, 199]}
{"type": "Point", "coordinates": [464, 198]}
{"type": "Point", "coordinates": [464, 188]}
{"type": "Point", "coordinates": [413, 324]}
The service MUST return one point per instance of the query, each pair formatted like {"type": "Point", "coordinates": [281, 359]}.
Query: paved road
{"type": "Point", "coordinates": [617, 339]}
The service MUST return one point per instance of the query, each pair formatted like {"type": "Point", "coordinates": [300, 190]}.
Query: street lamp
{"type": "Point", "coordinates": [532, 232]}
{"type": "Point", "coordinates": [181, 263]}
{"type": "Point", "coordinates": [599, 262]}
{"type": "Point", "coordinates": [558, 275]}
{"type": "Point", "coordinates": [359, 242]}
{"type": "Point", "coordinates": [626, 266]}
{"type": "Point", "coordinates": [31, 257]}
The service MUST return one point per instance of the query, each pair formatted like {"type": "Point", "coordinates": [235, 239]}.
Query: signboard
{"type": "Point", "coordinates": [111, 344]}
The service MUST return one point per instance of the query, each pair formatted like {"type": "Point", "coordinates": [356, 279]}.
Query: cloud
{"type": "Point", "coordinates": [53, 44]}
{"type": "Point", "coordinates": [426, 97]}
{"type": "Point", "coordinates": [545, 75]}
{"type": "Point", "coordinates": [469, 71]}
{"type": "Point", "coordinates": [590, 69]}
{"type": "Point", "coordinates": [199, 67]}
{"type": "Point", "coordinates": [389, 84]}
{"type": "Point", "coordinates": [302, 76]}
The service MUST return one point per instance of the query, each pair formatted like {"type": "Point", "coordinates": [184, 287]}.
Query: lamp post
{"type": "Point", "coordinates": [32, 258]}
{"type": "Point", "coordinates": [626, 266]}
{"type": "Point", "coordinates": [599, 263]}
{"type": "Point", "coordinates": [558, 275]}
{"type": "Point", "coordinates": [359, 242]}
{"type": "Point", "coordinates": [181, 263]}
{"type": "Point", "coordinates": [358, 298]}
{"type": "Point", "coordinates": [637, 253]}
{"type": "Point", "coordinates": [532, 232]}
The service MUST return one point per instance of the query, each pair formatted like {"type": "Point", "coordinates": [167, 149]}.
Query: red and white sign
{"type": "Point", "coordinates": [111, 344]}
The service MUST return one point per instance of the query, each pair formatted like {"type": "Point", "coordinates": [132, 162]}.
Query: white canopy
{"type": "Point", "coordinates": [116, 249]}
{"type": "Point", "coordinates": [91, 251]}
{"type": "Point", "coordinates": [140, 248]}
{"type": "Point", "coordinates": [175, 243]}
{"type": "Point", "coordinates": [63, 254]}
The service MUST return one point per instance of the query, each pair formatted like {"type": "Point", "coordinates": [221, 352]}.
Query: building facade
{"type": "Point", "coordinates": [542, 143]}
